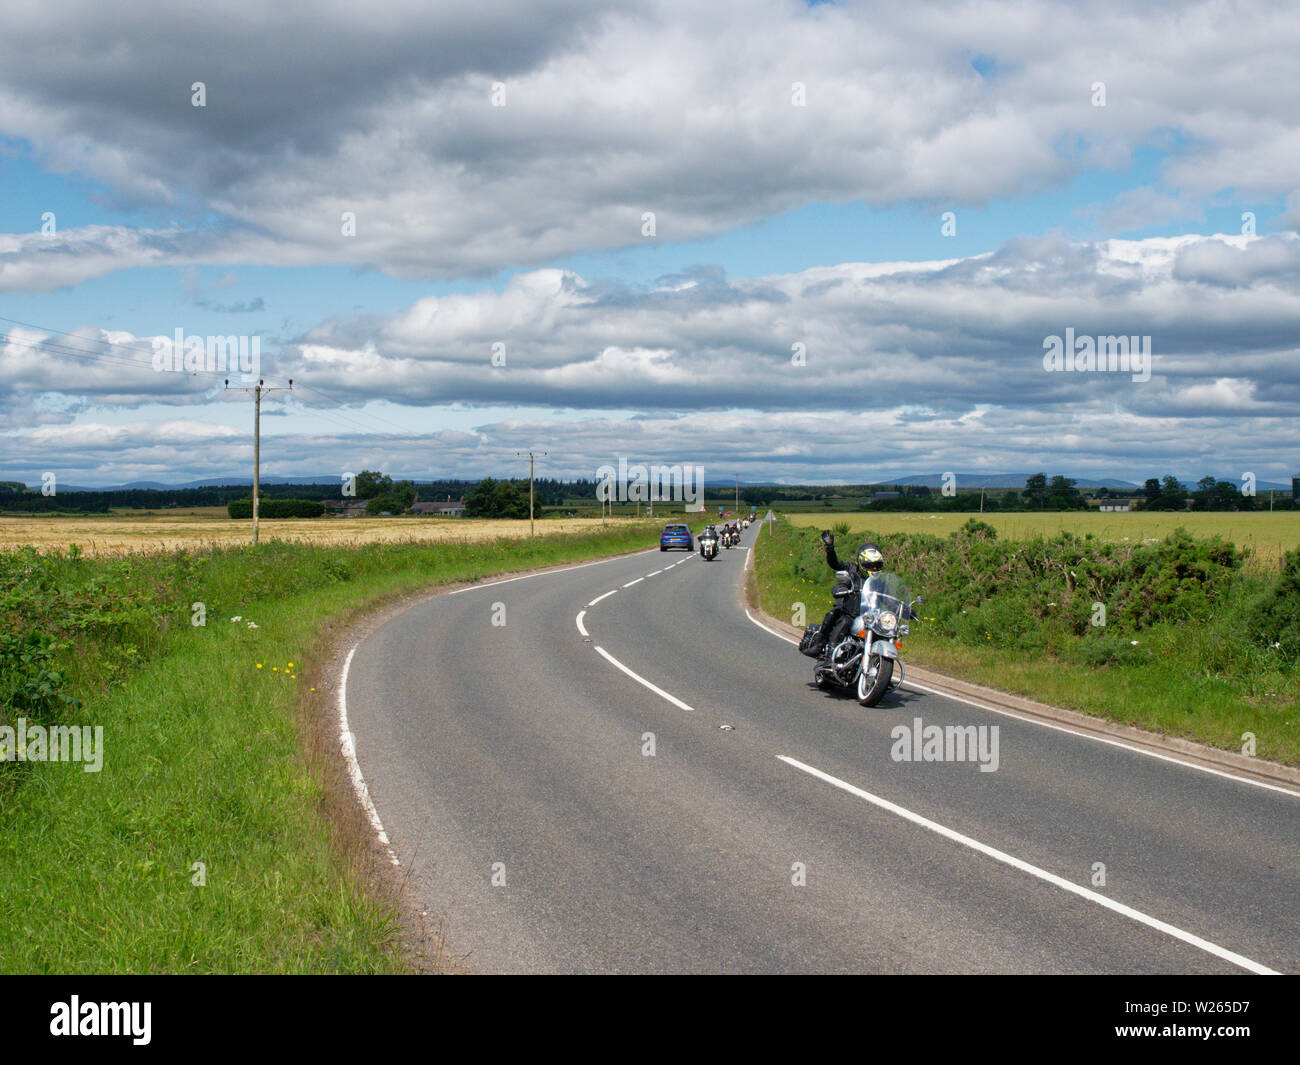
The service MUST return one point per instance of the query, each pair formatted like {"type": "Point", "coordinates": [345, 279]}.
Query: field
{"type": "Point", "coordinates": [202, 528]}
{"type": "Point", "coordinates": [1265, 535]}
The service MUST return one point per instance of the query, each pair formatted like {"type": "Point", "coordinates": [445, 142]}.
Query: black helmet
{"type": "Point", "coordinates": [869, 558]}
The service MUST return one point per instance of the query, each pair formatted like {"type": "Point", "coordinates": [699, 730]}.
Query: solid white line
{"type": "Point", "coordinates": [1065, 728]}
{"type": "Point", "coordinates": [1107, 740]}
{"type": "Point", "coordinates": [641, 680]}
{"type": "Point", "coordinates": [543, 573]}
{"type": "Point", "coordinates": [630, 583]}
{"type": "Point", "coordinates": [1033, 870]}
{"type": "Point", "coordinates": [768, 627]}
{"type": "Point", "coordinates": [582, 614]}
{"type": "Point", "coordinates": [600, 597]}
{"type": "Point", "coordinates": [348, 743]}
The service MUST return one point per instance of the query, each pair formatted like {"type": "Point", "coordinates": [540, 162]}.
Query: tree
{"type": "Point", "coordinates": [1151, 490]}
{"type": "Point", "coordinates": [1036, 492]}
{"type": "Point", "coordinates": [1062, 494]}
{"type": "Point", "coordinates": [496, 499]}
{"type": "Point", "coordinates": [371, 483]}
{"type": "Point", "coordinates": [1173, 496]}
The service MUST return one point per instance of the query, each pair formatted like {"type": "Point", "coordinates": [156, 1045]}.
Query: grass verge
{"type": "Point", "coordinates": [206, 842]}
{"type": "Point", "coordinates": [1175, 659]}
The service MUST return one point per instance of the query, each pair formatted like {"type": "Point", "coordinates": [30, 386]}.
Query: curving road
{"type": "Point", "coordinates": [502, 733]}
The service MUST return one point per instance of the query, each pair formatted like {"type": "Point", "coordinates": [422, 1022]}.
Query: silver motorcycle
{"type": "Point", "coordinates": [866, 658]}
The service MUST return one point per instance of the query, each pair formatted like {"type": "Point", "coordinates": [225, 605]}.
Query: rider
{"type": "Point", "coordinates": [868, 560]}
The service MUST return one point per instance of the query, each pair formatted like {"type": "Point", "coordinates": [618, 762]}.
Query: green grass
{"type": "Point", "coordinates": [208, 758]}
{"type": "Point", "coordinates": [1198, 678]}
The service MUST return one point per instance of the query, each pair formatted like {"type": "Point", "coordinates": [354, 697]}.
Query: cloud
{"type": "Point", "coordinates": [386, 113]}
{"type": "Point", "coordinates": [906, 365]}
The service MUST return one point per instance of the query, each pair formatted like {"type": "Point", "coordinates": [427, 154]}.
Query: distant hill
{"type": "Point", "coordinates": [1018, 481]}
{"type": "Point", "coordinates": [1004, 480]}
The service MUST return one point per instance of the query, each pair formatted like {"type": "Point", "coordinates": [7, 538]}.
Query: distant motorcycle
{"type": "Point", "coordinates": [866, 657]}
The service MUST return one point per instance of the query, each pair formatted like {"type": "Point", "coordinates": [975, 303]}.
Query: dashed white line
{"type": "Point", "coordinates": [1033, 870]}
{"type": "Point", "coordinates": [641, 680]}
{"type": "Point", "coordinates": [600, 597]}
{"type": "Point", "coordinates": [656, 573]}
{"type": "Point", "coordinates": [581, 628]}
{"type": "Point", "coordinates": [630, 583]}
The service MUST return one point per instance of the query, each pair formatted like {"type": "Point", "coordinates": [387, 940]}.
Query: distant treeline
{"type": "Point", "coordinates": [1039, 493]}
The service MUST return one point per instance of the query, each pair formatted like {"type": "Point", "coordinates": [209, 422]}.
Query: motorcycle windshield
{"type": "Point", "coordinates": [887, 591]}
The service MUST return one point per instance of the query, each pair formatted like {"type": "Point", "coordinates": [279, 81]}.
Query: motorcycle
{"type": "Point", "coordinates": [708, 548]}
{"type": "Point", "coordinates": [866, 657]}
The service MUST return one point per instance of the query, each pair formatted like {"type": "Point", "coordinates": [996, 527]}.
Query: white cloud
{"type": "Point", "coordinates": [670, 106]}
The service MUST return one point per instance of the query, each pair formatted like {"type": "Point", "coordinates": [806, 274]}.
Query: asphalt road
{"type": "Point", "coordinates": [772, 830]}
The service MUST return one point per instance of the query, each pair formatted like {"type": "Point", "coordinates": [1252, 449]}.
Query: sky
{"type": "Point", "coordinates": [785, 242]}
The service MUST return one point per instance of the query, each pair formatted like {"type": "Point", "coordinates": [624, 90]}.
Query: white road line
{"type": "Point", "coordinates": [630, 583]}
{"type": "Point", "coordinates": [641, 680]}
{"type": "Point", "coordinates": [582, 614]}
{"type": "Point", "coordinates": [656, 573]}
{"type": "Point", "coordinates": [1065, 728]}
{"type": "Point", "coordinates": [1108, 741]}
{"type": "Point", "coordinates": [1033, 870]}
{"type": "Point", "coordinates": [348, 743]}
{"type": "Point", "coordinates": [543, 573]}
{"type": "Point", "coordinates": [768, 627]}
{"type": "Point", "coordinates": [600, 597]}
{"type": "Point", "coordinates": [974, 844]}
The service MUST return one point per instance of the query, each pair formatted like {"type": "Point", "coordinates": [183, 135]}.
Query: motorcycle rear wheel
{"type": "Point", "coordinates": [872, 689]}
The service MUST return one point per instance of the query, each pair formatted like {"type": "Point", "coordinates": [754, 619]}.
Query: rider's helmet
{"type": "Point", "coordinates": [869, 558]}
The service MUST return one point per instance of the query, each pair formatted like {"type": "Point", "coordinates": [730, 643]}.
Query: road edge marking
{"type": "Point", "coordinates": [348, 744]}
{"type": "Point", "coordinates": [1058, 727]}
{"type": "Point", "coordinates": [1025, 867]}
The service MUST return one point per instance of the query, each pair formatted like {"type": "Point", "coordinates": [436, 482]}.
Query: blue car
{"type": "Point", "coordinates": [676, 536]}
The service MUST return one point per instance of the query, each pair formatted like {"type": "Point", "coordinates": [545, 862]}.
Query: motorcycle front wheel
{"type": "Point", "coordinates": [871, 689]}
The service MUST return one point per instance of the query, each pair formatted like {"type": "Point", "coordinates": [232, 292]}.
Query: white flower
{"type": "Point", "coordinates": [1133, 642]}
{"type": "Point", "coordinates": [252, 624]}
{"type": "Point", "coordinates": [237, 619]}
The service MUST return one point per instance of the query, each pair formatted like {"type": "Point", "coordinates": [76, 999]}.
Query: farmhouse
{"type": "Point", "coordinates": [443, 510]}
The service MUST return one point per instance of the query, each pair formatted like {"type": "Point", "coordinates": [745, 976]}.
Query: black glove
{"type": "Point", "coordinates": [827, 538]}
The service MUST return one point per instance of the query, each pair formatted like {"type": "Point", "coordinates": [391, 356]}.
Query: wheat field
{"type": "Point", "coordinates": [195, 530]}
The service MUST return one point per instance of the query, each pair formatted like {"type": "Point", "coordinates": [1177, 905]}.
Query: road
{"type": "Point", "coordinates": [504, 734]}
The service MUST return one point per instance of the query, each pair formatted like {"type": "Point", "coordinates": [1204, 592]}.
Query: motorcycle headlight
{"type": "Point", "coordinates": [888, 620]}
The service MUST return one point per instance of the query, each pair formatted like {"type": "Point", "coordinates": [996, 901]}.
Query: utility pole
{"type": "Point", "coordinates": [530, 488]}
{"type": "Point", "coordinates": [257, 391]}
{"type": "Point", "coordinates": [737, 507]}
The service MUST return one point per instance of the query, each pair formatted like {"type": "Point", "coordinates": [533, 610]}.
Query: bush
{"type": "Point", "coordinates": [1274, 618]}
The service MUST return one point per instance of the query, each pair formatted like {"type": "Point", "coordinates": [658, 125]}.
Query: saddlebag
{"type": "Point", "coordinates": [811, 644]}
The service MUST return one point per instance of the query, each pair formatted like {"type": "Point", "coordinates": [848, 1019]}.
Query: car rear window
{"type": "Point", "coordinates": [674, 528]}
